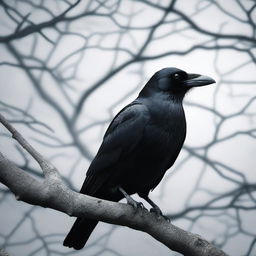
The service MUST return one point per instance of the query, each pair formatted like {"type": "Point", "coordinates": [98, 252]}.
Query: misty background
{"type": "Point", "coordinates": [67, 67]}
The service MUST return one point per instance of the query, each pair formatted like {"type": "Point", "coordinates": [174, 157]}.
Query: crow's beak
{"type": "Point", "coordinates": [198, 80]}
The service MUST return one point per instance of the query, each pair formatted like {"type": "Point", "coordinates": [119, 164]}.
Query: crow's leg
{"type": "Point", "coordinates": [130, 200]}
{"type": "Point", "coordinates": [154, 208]}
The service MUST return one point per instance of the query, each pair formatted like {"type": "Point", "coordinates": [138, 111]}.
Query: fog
{"type": "Point", "coordinates": [63, 80]}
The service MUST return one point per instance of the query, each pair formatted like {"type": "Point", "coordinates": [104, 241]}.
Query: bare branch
{"type": "Point", "coordinates": [48, 169]}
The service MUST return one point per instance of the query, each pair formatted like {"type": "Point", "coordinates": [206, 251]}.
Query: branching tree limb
{"type": "Point", "coordinates": [3, 252]}
{"type": "Point", "coordinates": [53, 193]}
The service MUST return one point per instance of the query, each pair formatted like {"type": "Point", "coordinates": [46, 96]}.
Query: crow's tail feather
{"type": "Point", "coordinates": [79, 233]}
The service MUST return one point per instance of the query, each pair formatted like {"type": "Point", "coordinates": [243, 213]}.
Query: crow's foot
{"type": "Point", "coordinates": [159, 213]}
{"type": "Point", "coordinates": [136, 205]}
{"type": "Point", "coordinates": [155, 209]}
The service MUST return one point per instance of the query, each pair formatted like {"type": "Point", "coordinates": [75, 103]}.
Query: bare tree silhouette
{"type": "Point", "coordinates": [68, 66]}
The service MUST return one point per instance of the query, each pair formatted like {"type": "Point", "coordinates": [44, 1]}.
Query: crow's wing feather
{"type": "Point", "coordinates": [121, 137]}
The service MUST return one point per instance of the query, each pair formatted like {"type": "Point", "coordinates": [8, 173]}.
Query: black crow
{"type": "Point", "coordinates": [140, 145]}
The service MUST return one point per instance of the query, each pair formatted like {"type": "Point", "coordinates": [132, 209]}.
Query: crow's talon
{"type": "Point", "coordinates": [133, 203]}
{"type": "Point", "coordinates": [166, 218]}
{"type": "Point", "coordinates": [136, 205]}
{"type": "Point", "coordinates": [141, 206]}
{"type": "Point", "coordinates": [159, 213]}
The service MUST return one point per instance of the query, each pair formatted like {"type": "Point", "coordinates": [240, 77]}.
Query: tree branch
{"type": "Point", "coordinates": [53, 193]}
{"type": "Point", "coordinates": [3, 252]}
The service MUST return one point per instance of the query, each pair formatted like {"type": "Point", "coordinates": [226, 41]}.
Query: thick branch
{"type": "Point", "coordinates": [3, 252]}
{"type": "Point", "coordinates": [53, 193]}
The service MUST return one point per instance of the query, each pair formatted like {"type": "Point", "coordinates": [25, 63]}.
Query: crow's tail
{"type": "Point", "coordinates": [79, 233]}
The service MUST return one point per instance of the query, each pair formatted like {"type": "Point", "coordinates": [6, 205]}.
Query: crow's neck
{"type": "Point", "coordinates": [163, 104]}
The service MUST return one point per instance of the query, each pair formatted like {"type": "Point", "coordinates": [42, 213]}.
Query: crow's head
{"type": "Point", "coordinates": [174, 82]}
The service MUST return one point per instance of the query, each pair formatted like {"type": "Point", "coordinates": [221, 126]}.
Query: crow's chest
{"type": "Point", "coordinates": [166, 127]}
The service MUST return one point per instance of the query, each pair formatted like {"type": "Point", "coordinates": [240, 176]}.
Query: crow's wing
{"type": "Point", "coordinates": [121, 137]}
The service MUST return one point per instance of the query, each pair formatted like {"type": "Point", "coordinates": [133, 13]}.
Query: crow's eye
{"type": "Point", "coordinates": [176, 76]}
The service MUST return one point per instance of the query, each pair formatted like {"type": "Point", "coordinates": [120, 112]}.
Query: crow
{"type": "Point", "coordinates": [141, 143]}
